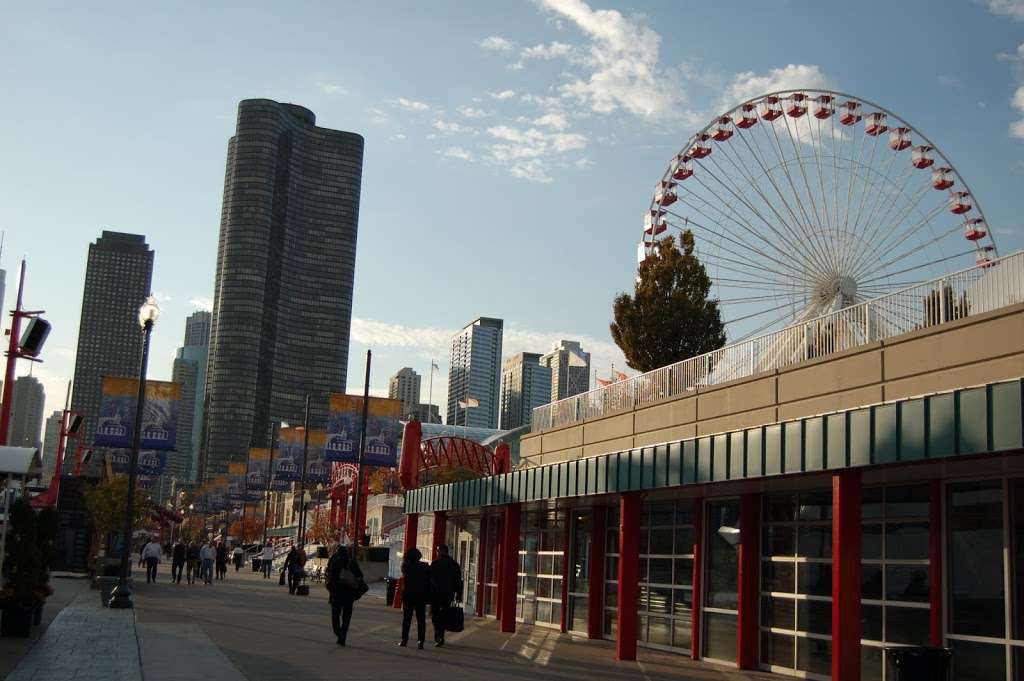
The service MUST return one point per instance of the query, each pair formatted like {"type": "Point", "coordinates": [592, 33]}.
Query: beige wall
{"type": "Point", "coordinates": [971, 351]}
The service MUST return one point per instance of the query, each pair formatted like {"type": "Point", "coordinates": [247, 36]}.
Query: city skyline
{"type": "Point", "coordinates": [963, 102]}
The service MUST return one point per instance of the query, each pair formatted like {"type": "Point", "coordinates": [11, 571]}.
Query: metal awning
{"type": "Point", "coordinates": [20, 461]}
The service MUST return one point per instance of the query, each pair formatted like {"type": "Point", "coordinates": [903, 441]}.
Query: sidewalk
{"type": "Point", "coordinates": [12, 650]}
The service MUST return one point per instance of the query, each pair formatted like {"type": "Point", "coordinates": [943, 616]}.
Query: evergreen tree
{"type": "Point", "coordinates": [669, 317]}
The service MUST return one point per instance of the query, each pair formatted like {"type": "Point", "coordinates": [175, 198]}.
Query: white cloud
{"type": "Point", "coordinates": [622, 60]}
{"type": "Point", "coordinates": [553, 50]}
{"type": "Point", "coordinates": [552, 120]}
{"type": "Point", "coordinates": [1017, 127]}
{"type": "Point", "coordinates": [162, 297]}
{"type": "Point", "coordinates": [459, 153]}
{"type": "Point", "coordinates": [497, 43]}
{"type": "Point", "coordinates": [1007, 8]}
{"type": "Point", "coordinates": [410, 104]}
{"type": "Point", "coordinates": [452, 128]}
{"type": "Point", "coordinates": [384, 334]}
{"type": "Point", "coordinates": [748, 85]}
{"type": "Point", "coordinates": [503, 94]}
{"type": "Point", "coordinates": [202, 302]}
{"type": "Point", "coordinates": [332, 89]}
{"type": "Point", "coordinates": [947, 81]}
{"type": "Point", "coordinates": [526, 152]}
{"type": "Point", "coordinates": [533, 170]}
{"type": "Point", "coordinates": [378, 116]}
{"type": "Point", "coordinates": [471, 112]}
{"type": "Point", "coordinates": [398, 137]}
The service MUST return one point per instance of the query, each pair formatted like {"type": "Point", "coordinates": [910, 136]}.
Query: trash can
{"type": "Point", "coordinates": [257, 563]}
{"type": "Point", "coordinates": [391, 584]}
{"type": "Point", "coordinates": [107, 585]}
{"type": "Point", "coordinates": [920, 663]}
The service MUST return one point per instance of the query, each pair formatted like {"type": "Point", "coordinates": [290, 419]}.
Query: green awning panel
{"type": "Point", "coordinates": [969, 421]}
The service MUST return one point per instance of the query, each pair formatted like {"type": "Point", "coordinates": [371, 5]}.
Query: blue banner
{"type": "Point", "coordinates": [116, 416]}
{"type": "Point", "coordinates": [344, 428]}
{"type": "Point", "coordinates": [150, 463]}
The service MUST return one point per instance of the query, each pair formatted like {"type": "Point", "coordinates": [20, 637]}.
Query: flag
{"type": "Point", "coordinates": [434, 367]}
{"type": "Point", "coordinates": [603, 383]}
{"type": "Point", "coordinates": [619, 376]}
{"type": "Point", "coordinates": [468, 403]}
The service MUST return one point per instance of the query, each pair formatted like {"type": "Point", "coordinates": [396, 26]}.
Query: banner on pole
{"type": "Point", "coordinates": [116, 417]}
{"type": "Point", "coordinates": [288, 460]}
{"type": "Point", "coordinates": [150, 463]}
{"type": "Point", "coordinates": [344, 427]}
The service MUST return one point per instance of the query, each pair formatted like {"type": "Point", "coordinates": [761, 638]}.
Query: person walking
{"type": "Point", "coordinates": [151, 553]}
{"type": "Point", "coordinates": [207, 555]}
{"type": "Point", "coordinates": [238, 555]}
{"type": "Point", "coordinates": [222, 560]}
{"type": "Point", "coordinates": [289, 564]}
{"type": "Point", "coordinates": [177, 561]}
{"type": "Point", "coordinates": [298, 570]}
{"type": "Point", "coordinates": [415, 593]}
{"type": "Point", "coordinates": [445, 587]}
{"type": "Point", "coordinates": [267, 560]}
{"type": "Point", "coordinates": [344, 581]}
{"type": "Point", "coordinates": [191, 562]}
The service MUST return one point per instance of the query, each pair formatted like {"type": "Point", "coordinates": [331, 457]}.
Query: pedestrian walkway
{"type": "Point", "coordinates": [250, 629]}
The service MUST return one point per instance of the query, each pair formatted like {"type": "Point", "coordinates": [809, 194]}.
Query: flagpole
{"type": "Point", "coordinates": [430, 394]}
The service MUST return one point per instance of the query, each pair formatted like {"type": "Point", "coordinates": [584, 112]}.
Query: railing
{"type": "Point", "coordinates": [969, 292]}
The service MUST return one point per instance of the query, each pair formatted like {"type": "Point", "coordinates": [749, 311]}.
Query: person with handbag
{"type": "Point", "coordinates": [445, 588]}
{"type": "Point", "coordinates": [415, 594]}
{"type": "Point", "coordinates": [346, 585]}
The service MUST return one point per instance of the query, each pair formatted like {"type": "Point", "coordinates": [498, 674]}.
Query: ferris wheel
{"type": "Point", "coordinates": [804, 202]}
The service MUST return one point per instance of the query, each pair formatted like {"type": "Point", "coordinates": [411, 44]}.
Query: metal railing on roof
{"type": "Point", "coordinates": [968, 292]}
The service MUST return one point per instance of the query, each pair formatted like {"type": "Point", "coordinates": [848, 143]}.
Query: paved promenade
{"type": "Point", "coordinates": [250, 629]}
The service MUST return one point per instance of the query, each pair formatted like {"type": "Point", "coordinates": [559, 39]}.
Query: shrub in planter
{"type": "Point", "coordinates": [22, 590]}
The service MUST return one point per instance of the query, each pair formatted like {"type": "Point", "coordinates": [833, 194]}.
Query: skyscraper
{"type": "Point", "coordinates": [525, 384]}
{"type": "Point", "coordinates": [190, 371]}
{"type": "Point", "coordinates": [474, 373]}
{"type": "Point", "coordinates": [118, 277]}
{"type": "Point", "coordinates": [405, 386]}
{"type": "Point", "coordinates": [27, 400]}
{"type": "Point", "coordinates": [285, 263]}
{"type": "Point", "coordinates": [570, 369]}
{"type": "Point", "coordinates": [51, 438]}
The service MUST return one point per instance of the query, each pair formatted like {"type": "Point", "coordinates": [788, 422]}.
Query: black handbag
{"type": "Point", "coordinates": [454, 618]}
{"type": "Point", "coordinates": [280, 580]}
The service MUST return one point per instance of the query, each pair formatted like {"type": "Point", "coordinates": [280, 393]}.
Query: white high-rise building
{"type": "Point", "coordinates": [27, 400]}
{"type": "Point", "coordinates": [525, 384]}
{"type": "Point", "coordinates": [51, 438]}
{"type": "Point", "coordinates": [570, 369]}
{"type": "Point", "coordinates": [474, 374]}
{"type": "Point", "coordinates": [405, 387]}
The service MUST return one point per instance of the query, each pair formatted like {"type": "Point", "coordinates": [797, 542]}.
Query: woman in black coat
{"type": "Point", "coordinates": [415, 594]}
{"type": "Point", "coordinates": [343, 595]}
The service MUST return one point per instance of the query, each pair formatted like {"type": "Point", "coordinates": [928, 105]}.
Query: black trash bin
{"type": "Point", "coordinates": [389, 590]}
{"type": "Point", "coordinates": [920, 663]}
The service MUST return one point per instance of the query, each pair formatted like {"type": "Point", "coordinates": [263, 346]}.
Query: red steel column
{"type": "Point", "coordinates": [698, 562]}
{"type": "Point", "coordinates": [412, 524]}
{"type": "Point", "coordinates": [595, 578]}
{"type": "Point", "coordinates": [440, 532]}
{"type": "Point", "coordinates": [749, 559]}
{"type": "Point", "coordinates": [846, 556]}
{"type": "Point", "coordinates": [935, 561]}
{"type": "Point", "coordinates": [629, 575]}
{"type": "Point", "coordinates": [510, 568]}
{"type": "Point", "coordinates": [566, 557]}
{"type": "Point", "coordinates": [499, 557]}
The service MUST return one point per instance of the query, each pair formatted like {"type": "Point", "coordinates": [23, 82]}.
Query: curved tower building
{"type": "Point", "coordinates": [282, 304]}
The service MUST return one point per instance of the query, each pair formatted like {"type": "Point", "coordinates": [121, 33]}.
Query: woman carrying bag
{"type": "Point", "coordinates": [415, 594]}
{"type": "Point", "coordinates": [346, 585]}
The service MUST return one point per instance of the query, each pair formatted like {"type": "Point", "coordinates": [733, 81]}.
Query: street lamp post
{"type": "Point", "coordinates": [301, 540]}
{"type": "Point", "coordinates": [121, 597]}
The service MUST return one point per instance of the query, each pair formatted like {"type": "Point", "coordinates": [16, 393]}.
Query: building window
{"type": "Point", "coordinates": [541, 569]}
{"type": "Point", "coordinates": [894, 573]}
{"type": "Point", "coordinates": [796, 584]}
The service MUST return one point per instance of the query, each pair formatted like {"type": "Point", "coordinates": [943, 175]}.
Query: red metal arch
{"type": "Point", "coordinates": [447, 451]}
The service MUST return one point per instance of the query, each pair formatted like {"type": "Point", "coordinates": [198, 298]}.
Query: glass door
{"type": "Point", "coordinates": [468, 556]}
{"type": "Point", "coordinates": [579, 571]}
{"type": "Point", "coordinates": [721, 580]}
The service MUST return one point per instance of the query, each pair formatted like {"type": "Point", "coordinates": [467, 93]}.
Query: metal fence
{"type": "Point", "coordinates": [969, 292]}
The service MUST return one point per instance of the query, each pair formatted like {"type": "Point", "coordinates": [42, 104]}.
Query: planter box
{"type": "Point", "coordinates": [15, 622]}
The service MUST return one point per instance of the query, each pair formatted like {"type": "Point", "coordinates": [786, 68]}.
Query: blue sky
{"type": "Point", "coordinates": [510, 147]}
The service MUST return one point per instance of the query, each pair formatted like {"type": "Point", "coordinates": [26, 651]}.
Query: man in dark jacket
{"type": "Point", "coordinates": [342, 595]}
{"type": "Point", "coordinates": [177, 561]}
{"type": "Point", "coordinates": [445, 587]}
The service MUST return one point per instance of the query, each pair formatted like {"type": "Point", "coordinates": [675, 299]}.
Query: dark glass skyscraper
{"type": "Point", "coordinates": [118, 277]}
{"type": "Point", "coordinates": [285, 263]}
